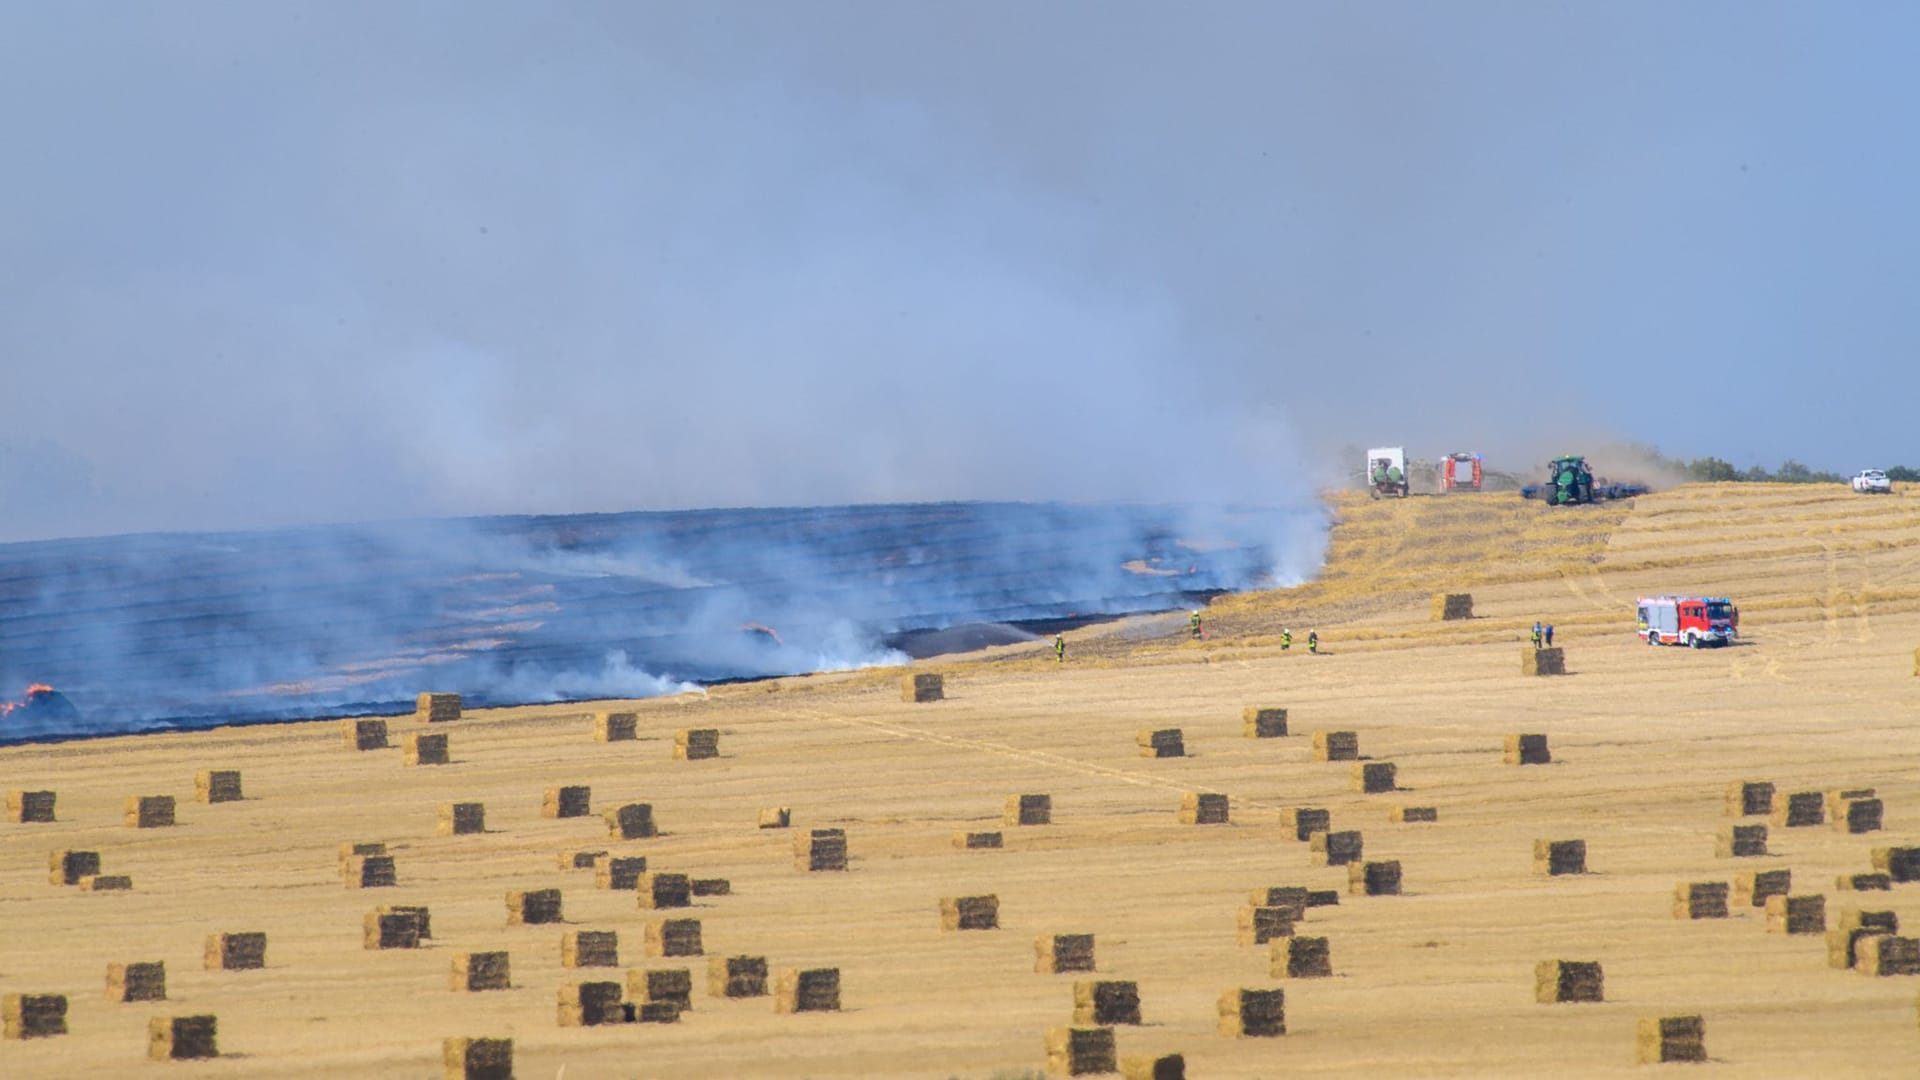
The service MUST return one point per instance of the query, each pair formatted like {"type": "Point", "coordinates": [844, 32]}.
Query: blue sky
{"type": "Point", "coordinates": [282, 262]}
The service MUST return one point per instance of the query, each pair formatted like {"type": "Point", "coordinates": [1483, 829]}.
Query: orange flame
{"type": "Point", "coordinates": [32, 691]}
{"type": "Point", "coordinates": [39, 688]}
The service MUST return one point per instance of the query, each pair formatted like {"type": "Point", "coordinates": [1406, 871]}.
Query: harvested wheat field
{"type": "Point", "coordinates": [1482, 963]}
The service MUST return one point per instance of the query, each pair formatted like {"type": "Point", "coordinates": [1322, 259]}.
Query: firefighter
{"type": "Point", "coordinates": [1193, 626]}
{"type": "Point", "coordinates": [1060, 648]}
{"type": "Point", "coordinates": [1286, 638]}
{"type": "Point", "coordinates": [1536, 634]}
{"type": "Point", "coordinates": [1313, 642]}
{"type": "Point", "coordinates": [1549, 635]}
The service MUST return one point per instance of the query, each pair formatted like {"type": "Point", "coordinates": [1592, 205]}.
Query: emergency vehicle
{"type": "Point", "coordinates": [1460, 472]}
{"type": "Point", "coordinates": [1688, 620]}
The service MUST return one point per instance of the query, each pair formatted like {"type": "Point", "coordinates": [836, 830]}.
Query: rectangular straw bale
{"type": "Point", "coordinates": [389, 931]}
{"type": "Point", "coordinates": [472, 1058]}
{"type": "Point", "coordinates": [807, 990]}
{"type": "Point", "coordinates": [1864, 882]}
{"type": "Point", "coordinates": [1838, 798]}
{"type": "Point", "coordinates": [1263, 723]}
{"type": "Point", "coordinates": [591, 1004]}
{"type": "Point", "coordinates": [1887, 954]}
{"type": "Point", "coordinates": [1858, 816]}
{"type": "Point", "coordinates": [659, 891]}
{"type": "Point", "coordinates": [1543, 661]}
{"type": "Point", "coordinates": [1029, 810]}
{"type": "Point", "coordinates": [33, 1016]}
{"type": "Point", "coordinates": [590, 948]}
{"type": "Point", "coordinates": [632, 821]}
{"type": "Point", "coordinates": [1280, 896]}
{"type": "Point", "coordinates": [970, 912]}
{"type": "Point", "coordinates": [1843, 940]}
{"type": "Point", "coordinates": [1153, 1067]}
{"type": "Point", "coordinates": [585, 860]}
{"type": "Point", "coordinates": [1451, 606]}
{"type": "Point", "coordinates": [532, 907]}
{"type": "Point", "coordinates": [775, 817]}
{"type": "Point", "coordinates": [1749, 798]}
{"type": "Point", "coordinates": [673, 937]}
{"type": "Point", "coordinates": [736, 976]}
{"type": "Point", "coordinates": [425, 749]}
{"type": "Point", "coordinates": [1412, 814]}
{"type": "Point", "coordinates": [1526, 750]}
{"type": "Point", "coordinates": [364, 734]}
{"type": "Point", "coordinates": [1106, 1001]}
{"type": "Point", "coordinates": [696, 744]}
{"type": "Point", "coordinates": [182, 1038]}
{"type": "Point", "coordinates": [1202, 808]}
{"type": "Point", "coordinates": [1902, 864]}
{"type": "Point", "coordinates": [1662, 1039]}
{"type": "Point", "coordinates": [1080, 1051]}
{"type": "Point", "coordinates": [1160, 743]}
{"type": "Point", "coordinates": [1740, 842]}
{"type": "Point", "coordinates": [26, 807]}
{"type": "Point", "coordinates": [1059, 954]}
{"type": "Point", "coordinates": [1373, 777]}
{"type": "Point", "coordinates": [68, 867]}
{"type": "Point", "coordinates": [217, 785]}
{"type": "Point", "coordinates": [1253, 1013]}
{"type": "Point", "coordinates": [976, 840]}
{"type": "Point", "coordinates": [137, 982]}
{"type": "Point", "coordinates": [149, 811]}
{"type": "Point", "coordinates": [104, 883]}
{"type": "Point", "coordinates": [1373, 879]}
{"type": "Point", "coordinates": [1337, 848]}
{"type": "Point", "coordinates": [1552, 858]}
{"type": "Point", "coordinates": [1336, 746]}
{"type": "Point", "coordinates": [1301, 958]}
{"type": "Point", "coordinates": [614, 726]}
{"type": "Point", "coordinates": [422, 918]}
{"type": "Point", "coordinates": [462, 818]}
{"type": "Point", "coordinates": [1797, 914]}
{"type": "Point", "coordinates": [369, 872]}
{"type": "Point", "coordinates": [669, 986]}
{"type": "Point", "coordinates": [1556, 981]}
{"type": "Point", "coordinates": [436, 708]}
{"type": "Point", "coordinates": [1700, 900]}
{"type": "Point", "coordinates": [359, 847]}
{"type": "Point", "coordinates": [236, 952]}
{"type": "Point", "coordinates": [1323, 897]}
{"type": "Point", "coordinates": [570, 801]}
{"type": "Point", "coordinates": [1800, 809]}
{"type": "Point", "coordinates": [1259, 925]}
{"type": "Point", "coordinates": [922, 687]}
{"type": "Point", "coordinates": [710, 886]}
{"type": "Point", "coordinates": [478, 971]}
{"type": "Point", "coordinates": [1751, 888]}
{"type": "Point", "coordinates": [1305, 821]}
{"type": "Point", "coordinates": [820, 850]}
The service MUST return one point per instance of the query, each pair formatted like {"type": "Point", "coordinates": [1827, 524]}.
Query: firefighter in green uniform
{"type": "Point", "coordinates": [1060, 648]}
{"type": "Point", "coordinates": [1193, 626]}
{"type": "Point", "coordinates": [1286, 639]}
{"type": "Point", "coordinates": [1313, 642]}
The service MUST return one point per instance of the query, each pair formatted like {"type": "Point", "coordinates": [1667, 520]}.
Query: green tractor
{"type": "Point", "coordinates": [1569, 481]}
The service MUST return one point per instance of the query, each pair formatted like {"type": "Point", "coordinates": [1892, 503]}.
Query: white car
{"type": "Point", "coordinates": [1873, 482]}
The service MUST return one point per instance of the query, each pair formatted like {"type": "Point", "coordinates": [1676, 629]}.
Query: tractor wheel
{"type": "Point", "coordinates": [1653, 637]}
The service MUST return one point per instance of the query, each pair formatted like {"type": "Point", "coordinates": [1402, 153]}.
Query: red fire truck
{"type": "Point", "coordinates": [1692, 621]}
{"type": "Point", "coordinates": [1460, 472]}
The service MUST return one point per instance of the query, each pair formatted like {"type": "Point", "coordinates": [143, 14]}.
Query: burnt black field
{"type": "Point", "coordinates": [192, 630]}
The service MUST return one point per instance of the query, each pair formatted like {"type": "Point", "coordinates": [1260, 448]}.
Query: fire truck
{"type": "Point", "coordinates": [1692, 621]}
{"type": "Point", "coordinates": [1460, 472]}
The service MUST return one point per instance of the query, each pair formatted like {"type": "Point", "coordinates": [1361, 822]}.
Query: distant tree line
{"type": "Point", "coordinates": [1716, 470]}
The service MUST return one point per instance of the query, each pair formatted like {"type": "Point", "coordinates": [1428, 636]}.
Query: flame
{"type": "Point", "coordinates": [32, 692]}
{"type": "Point", "coordinates": [39, 688]}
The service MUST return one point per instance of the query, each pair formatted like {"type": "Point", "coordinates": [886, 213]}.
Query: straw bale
{"type": "Point", "coordinates": [1060, 954]}
{"type": "Point", "coordinates": [614, 726]}
{"type": "Point", "coordinates": [359, 847]}
{"type": "Point", "coordinates": [820, 850]}
{"type": "Point", "coordinates": [1080, 1051]}
{"type": "Point", "coordinates": [1413, 814]}
{"type": "Point", "coordinates": [711, 886]}
{"type": "Point", "coordinates": [1797, 914]}
{"type": "Point", "coordinates": [462, 818]}
{"type": "Point", "coordinates": [68, 867]}
{"type": "Point", "coordinates": [673, 937]}
{"type": "Point", "coordinates": [369, 872]}
{"type": "Point", "coordinates": [425, 749]}
{"type": "Point", "coordinates": [104, 883]}
{"type": "Point", "coordinates": [573, 800]}
{"type": "Point", "coordinates": [1160, 743]}
{"type": "Point", "coordinates": [1752, 888]}
{"type": "Point", "coordinates": [1153, 1067]}
{"type": "Point", "coordinates": [1662, 1039]}
{"type": "Point", "coordinates": [1263, 723]}
{"type": "Point", "coordinates": [775, 817]}
{"type": "Point", "coordinates": [1740, 842]}
{"type": "Point", "coordinates": [1305, 821]}
{"type": "Point", "coordinates": [584, 860]}
{"type": "Point", "coordinates": [471, 1058]}
{"type": "Point", "coordinates": [1373, 879]}
{"type": "Point", "coordinates": [1373, 777]}
{"type": "Point", "coordinates": [182, 1038]}
{"type": "Point", "coordinates": [1336, 746]}
{"type": "Point", "coordinates": [1280, 896]}
{"type": "Point", "coordinates": [655, 1012]}
{"type": "Point", "coordinates": [1198, 808]}
{"type": "Point", "coordinates": [217, 785]}
{"type": "Point", "coordinates": [149, 811]}
{"type": "Point", "coordinates": [976, 840]}
{"type": "Point", "coordinates": [1858, 816]}
{"type": "Point", "coordinates": [1029, 810]}
{"type": "Point", "coordinates": [532, 907]}
{"type": "Point", "coordinates": [137, 982]}
{"type": "Point", "coordinates": [1253, 1013]}
{"type": "Point", "coordinates": [736, 976]}
{"type": "Point", "coordinates": [1259, 925]}
{"type": "Point", "coordinates": [591, 1004]}
{"type": "Point", "coordinates": [236, 952]}
{"type": "Point", "coordinates": [364, 734]}
{"type": "Point", "coordinates": [1324, 897]}
{"type": "Point", "coordinates": [1887, 954]}
{"type": "Point", "coordinates": [1838, 798]}
{"type": "Point", "coordinates": [632, 821]}
{"type": "Point", "coordinates": [1843, 941]}
{"type": "Point", "coordinates": [1451, 606]}
{"type": "Point", "coordinates": [1700, 900]}
{"type": "Point", "coordinates": [659, 891]}
{"type": "Point", "coordinates": [477, 971]}
{"type": "Point", "coordinates": [1552, 858]}
{"type": "Point", "coordinates": [1749, 798]}
{"type": "Point", "coordinates": [1337, 848]}
{"type": "Point", "coordinates": [922, 687]}
{"type": "Point", "coordinates": [1902, 864]}
{"type": "Point", "coordinates": [666, 986]}
{"type": "Point", "coordinates": [436, 708]}
{"type": "Point", "coordinates": [696, 744]}
{"type": "Point", "coordinates": [1800, 809]}
{"type": "Point", "coordinates": [1864, 882]}
{"type": "Point", "coordinates": [1301, 958]}
{"type": "Point", "coordinates": [970, 912]}
{"type": "Point", "coordinates": [1556, 981]}
{"type": "Point", "coordinates": [1543, 661]}
{"type": "Point", "coordinates": [389, 931]}
{"type": "Point", "coordinates": [422, 918]}
{"type": "Point", "coordinates": [33, 1016]}
{"type": "Point", "coordinates": [25, 807]}
{"type": "Point", "coordinates": [1106, 1001]}
{"type": "Point", "coordinates": [590, 948]}
{"type": "Point", "coordinates": [1526, 750]}
{"type": "Point", "coordinates": [808, 990]}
